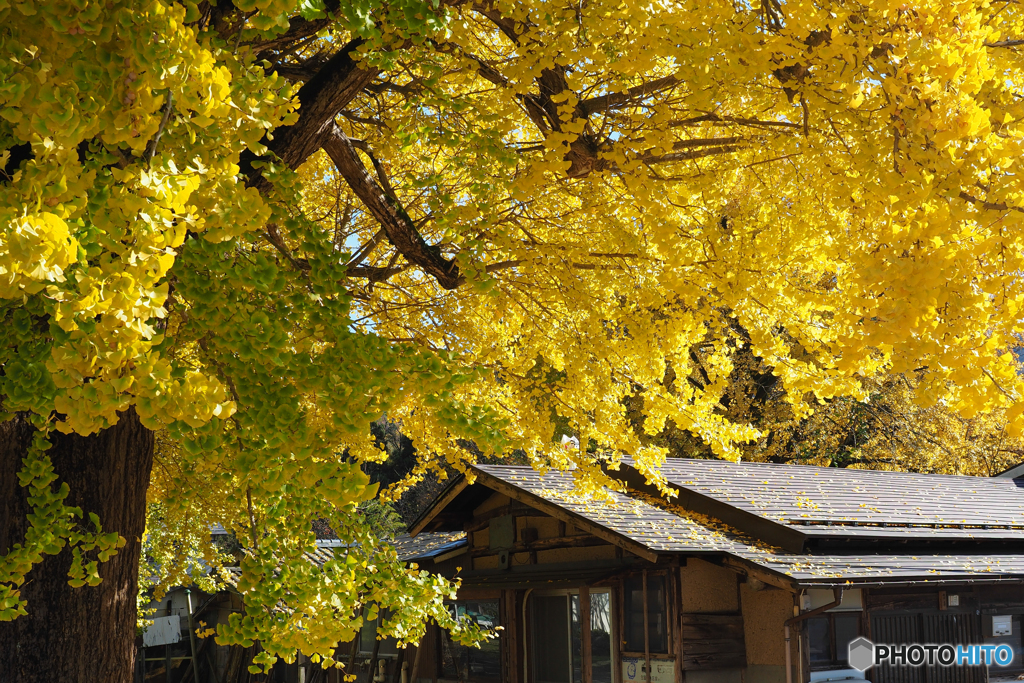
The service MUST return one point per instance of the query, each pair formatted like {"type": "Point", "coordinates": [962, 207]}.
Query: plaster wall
{"type": "Point", "coordinates": [708, 588]}
{"type": "Point", "coordinates": [495, 501]}
{"type": "Point", "coordinates": [764, 614]}
{"type": "Point", "coordinates": [547, 527]}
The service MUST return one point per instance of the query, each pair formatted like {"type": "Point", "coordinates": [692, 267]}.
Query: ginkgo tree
{"type": "Point", "coordinates": [891, 427]}
{"type": "Point", "coordinates": [255, 227]}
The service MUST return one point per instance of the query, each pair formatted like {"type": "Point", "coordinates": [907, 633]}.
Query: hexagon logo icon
{"type": "Point", "coordinates": [861, 653]}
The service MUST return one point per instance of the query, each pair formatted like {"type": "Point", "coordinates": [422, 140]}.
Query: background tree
{"type": "Point", "coordinates": [257, 227]}
{"type": "Point", "coordinates": [893, 427]}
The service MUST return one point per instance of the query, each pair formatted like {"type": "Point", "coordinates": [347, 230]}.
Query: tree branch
{"type": "Point", "coordinates": [366, 249]}
{"type": "Point", "coordinates": [298, 28]}
{"type": "Point", "coordinates": [715, 118]}
{"type": "Point", "coordinates": [336, 84]}
{"type": "Point", "coordinates": [1006, 43]}
{"type": "Point", "coordinates": [990, 206]}
{"type": "Point", "coordinates": [686, 156]}
{"type": "Point", "coordinates": [604, 102]}
{"type": "Point", "coordinates": [397, 225]}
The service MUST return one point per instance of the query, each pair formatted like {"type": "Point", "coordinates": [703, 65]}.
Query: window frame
{"type": "Point", "coordinates": [613, 626]}
{"type": "Point", "coordinates": [439, 644]}
{"type": "Point", "coordinates": [667, 611]}
{"type": "Point", "coordinates": [833, 662]}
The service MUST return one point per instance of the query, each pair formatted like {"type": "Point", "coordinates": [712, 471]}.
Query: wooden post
{"type": "Point", "coordinates": [435, 643]}
{"type": "Point", "coordinates": [675, 608]}
{"type": "Point", "coordinates": [373, 659]}
{"type": "Point", "coordinates": [350, 669]}
{"type": "Point", "coordinates": [586, 667]}
{"type": "Point", "coordinates": [510, 636]}
{"type": "Point", "coordinates": [618, 630]}
{"type": "Point", "coordinates": [192, 635]}
{"type": "Point", "coordinates": [647, 636]}
{"type": "Point", "coordinates": [396, 677]}
{"type": "Point", "coordinates": [416, 660]}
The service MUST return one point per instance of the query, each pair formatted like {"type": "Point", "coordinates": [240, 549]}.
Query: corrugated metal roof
{"type": "Point", "coordinates": [666, 528]}
{"type": "Point", "coordinates": [829, 501]}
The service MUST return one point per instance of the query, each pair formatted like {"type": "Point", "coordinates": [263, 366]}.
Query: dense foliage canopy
{"type": "Point", "coordinates": [265, 224]}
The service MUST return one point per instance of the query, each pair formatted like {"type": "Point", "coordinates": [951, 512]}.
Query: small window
{"type": "Point", "coordinates": [829, 637]}
{"type": "Point", "coordinates": [657, 618]}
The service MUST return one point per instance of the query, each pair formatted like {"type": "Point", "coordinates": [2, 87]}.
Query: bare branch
{"type": "Point", "coordinates": [382, 176]}
{"type": "Point", "coordinates": [155, 140]}
{"type": "Point", "coordinates": [686, 156]}
{"type": "Point", "coordinates": [366, 249]}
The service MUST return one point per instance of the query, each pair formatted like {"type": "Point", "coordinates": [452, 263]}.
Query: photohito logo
{"type": "Point", "coordinates": [863, 654]}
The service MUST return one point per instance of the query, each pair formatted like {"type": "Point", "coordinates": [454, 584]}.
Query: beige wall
{"type": "Point", "coordinates": [495, 501]}
{"type": "Point", "coordinates": [486, 562]}
{"type": "Point", "coordinates": [547, 527]}
{"type": "Point", "coordinates": [764, 612]}
{"type": "Point", "coordinates": [598, 552]}
{"type": "Point", "coordinates": [706, 587]}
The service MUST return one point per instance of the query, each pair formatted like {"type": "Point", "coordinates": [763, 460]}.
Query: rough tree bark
{"type": "Point", "coordinates": [78, 635]}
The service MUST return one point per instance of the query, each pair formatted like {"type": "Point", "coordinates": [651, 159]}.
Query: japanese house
{"type": "Point", "coordinates": [168, 652]}
{"type": "Point", "coordinates": [709, 585]}
{"type": "Point", "coordinates": [704, 587]}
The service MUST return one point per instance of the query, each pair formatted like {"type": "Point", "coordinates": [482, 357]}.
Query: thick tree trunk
{"type": "Point", "coordinates": [78, 635]}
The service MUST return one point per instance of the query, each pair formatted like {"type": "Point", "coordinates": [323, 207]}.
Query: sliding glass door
{"type": "Point", "coordinates": [557, 637]}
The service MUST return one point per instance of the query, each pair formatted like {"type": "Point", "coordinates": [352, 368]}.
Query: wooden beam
{"type": "Point", "coordinates": [449, 555]}
{"type": "Point", "coordinates": [675, 607]}
{"type": "Point", "coordinates": [440, 504]}
{"type": "Point", "coordinates": [747, 567]}
{"type": "Point", "coordinates": [547, 544]}
{"type": "Point", "coordinates": [509, 637]}
{"type": "Point", "coordinates": [564, 515]}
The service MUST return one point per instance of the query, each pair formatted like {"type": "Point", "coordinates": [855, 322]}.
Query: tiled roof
{"type": "Point", "coordinates": [828, 501]}
{"type": "Point", "coordinates": [631, 517]}
{"type": "Point", "coordinates": [427, 545]}
{"type": "Point", "coordinates": [665, 528]}
{"type": "Point", "coordinates": [423, 546]}
{"type": "Point", "coordinates": [811, 569]}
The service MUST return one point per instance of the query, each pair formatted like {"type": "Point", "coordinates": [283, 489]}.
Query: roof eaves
{"type": "Point", "coordinates": [454, 488]}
